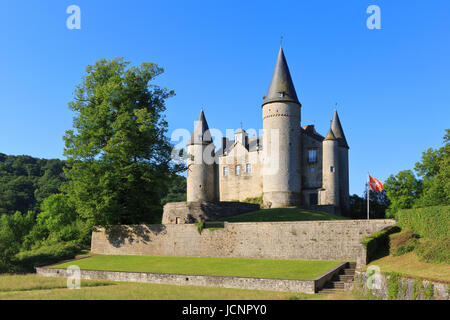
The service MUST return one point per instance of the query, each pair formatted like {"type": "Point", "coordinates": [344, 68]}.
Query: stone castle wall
{"type": "Point", "coordinates": [191, 212]}
{"type": "Point", "coordinates": [317, 240]}
{"type": "Point", "coordinates": [233, 187]}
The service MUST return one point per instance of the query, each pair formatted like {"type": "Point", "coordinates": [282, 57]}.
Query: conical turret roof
{"type": "Point", "coordinates": [338, 131]}
{"type": "Point", "coordinates": [281, 87]}
{"type": "Point", "coordinates": [330, 135]}
{"type": "Point", "coordinates": [201, 132]}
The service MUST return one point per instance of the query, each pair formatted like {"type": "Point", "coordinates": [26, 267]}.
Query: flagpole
{"type": "Point", "coordinates": [368, 193]}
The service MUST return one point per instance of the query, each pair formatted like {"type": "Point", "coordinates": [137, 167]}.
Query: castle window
{"type": "Point", "coordinates": [248, 168]}
{"type": "Point", "coordinates": [225, 171]}
{"type": "Point", "coordinates": [331, 169]}
{"type": "Point", "coordinates": [312, 155]}
{"type": "Point", "coordinates": [238, 170]}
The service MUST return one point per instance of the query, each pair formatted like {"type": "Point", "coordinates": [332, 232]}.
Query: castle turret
{"type": "Point", "coordinates": [344, 196]}
{"type": "Point", "coordinates": [201, 171]}
{"type": "Point", "coordinates": [281, 123]}
{"type": "Point", "coordinates": [330, 168]}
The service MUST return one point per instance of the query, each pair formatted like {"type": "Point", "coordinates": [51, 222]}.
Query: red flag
{"type": "Point", "coordinates": [375, 184]}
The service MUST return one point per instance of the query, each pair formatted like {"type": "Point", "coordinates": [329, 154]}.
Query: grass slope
{"type": "Point", "coordinates": [283, 214]}
{"type": "Point", "coordinates": [390, 259]}
{"type": "Point", "coordinates": [240, 267]}
{"type": "Point", "coordinates": [409, 264]}
{"type": "Point", "coordinates": [25, 287]}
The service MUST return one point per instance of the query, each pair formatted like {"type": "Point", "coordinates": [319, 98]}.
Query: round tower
{"type": "Point", "coordinates": [330, 170]}
{"type": "Point", "coordinates": [201, 184]}
{"type": "Point", "coordinates": [344, 196]}
{"type": "Point", "coordinates": [281, 122]}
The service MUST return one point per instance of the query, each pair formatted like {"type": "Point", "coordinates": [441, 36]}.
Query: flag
{"type": "Point", "coordinates": [375, 184]}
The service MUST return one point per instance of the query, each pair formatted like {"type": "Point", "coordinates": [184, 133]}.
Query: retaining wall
{"type": "Point", "coordinates": [405, 289]}
{"type": "Point", "coordinates": [293, 285]}
{"type": "Point", "coordinates": [305, 240]}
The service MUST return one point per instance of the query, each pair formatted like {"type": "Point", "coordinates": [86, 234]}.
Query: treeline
{"type": "Point", "coordinates": [428, 186]}
{"type": "Point", "coordinates": [26, 181]}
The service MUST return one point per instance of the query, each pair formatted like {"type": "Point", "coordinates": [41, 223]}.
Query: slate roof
{"type": "Point", "coordinates": [281, 87]}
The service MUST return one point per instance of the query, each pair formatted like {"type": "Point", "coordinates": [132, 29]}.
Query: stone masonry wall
{"type": "Point", "coordinates": [407, 288]}
{"type": "Point", "coordinates": [317, 240]}
{"type": "Point", "coordinates": [191, 212]}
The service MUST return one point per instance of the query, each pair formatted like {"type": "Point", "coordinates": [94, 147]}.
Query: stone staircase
{"type": "Point", "coordinates": [339, 281]}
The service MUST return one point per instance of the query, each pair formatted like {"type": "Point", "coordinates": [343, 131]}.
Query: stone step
{"type": "Point", "coordinates": [349, 271]}
{"type": "Point", "coordinates": [334, 284]}
{"type": "Point", "coordinates": [329, 291]}
{"type": "Point", "coordinates": [338, 281]}
{"type": "Point", "coordinates": [344, 277]}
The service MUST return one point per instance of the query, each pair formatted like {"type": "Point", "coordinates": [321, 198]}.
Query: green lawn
{"type": "Point", "coordinates": [283, 214]}
{"type": "Point", "coordinates": [240, 267]}
{"type": "Point", "coordinates": [33, 287]}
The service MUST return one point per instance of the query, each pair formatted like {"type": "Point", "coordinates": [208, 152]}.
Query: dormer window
{"type": "Point", "coordinates": [281, 94]}
{"type": "Point", "coordinates": [238, 170]}
{"type": "Point", "coordinates": [225, 171]}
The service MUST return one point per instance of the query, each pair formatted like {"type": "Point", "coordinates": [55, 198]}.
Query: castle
{"type": "Point", "coordinates": [289, 165]}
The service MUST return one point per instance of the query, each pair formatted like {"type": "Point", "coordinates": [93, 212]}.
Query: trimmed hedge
{"type": "Point", "coordinates": [377, 244]}
{"type": "Point", "coordinates": [433, 251]}
{"type": "Point", "coordinates": [428, 222]}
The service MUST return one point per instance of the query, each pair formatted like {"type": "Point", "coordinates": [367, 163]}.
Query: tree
{"type": "Point", "coordinates": [118, 153]}
{"type": "Point", "coordinates": [379, 202]}
{"type": "Point", "coordinates": [435, 171]}
{"type": "Point", "coordinates": [402, 190]}
{"type": "Point", "coordinates": [176, 191]}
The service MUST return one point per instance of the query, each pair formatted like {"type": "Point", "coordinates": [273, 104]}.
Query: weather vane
{"type": "Point", "coordinates": [281, 41]}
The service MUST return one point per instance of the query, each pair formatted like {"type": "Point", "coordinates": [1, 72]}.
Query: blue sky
{"type": "Point", "coordinates": [392, 85]}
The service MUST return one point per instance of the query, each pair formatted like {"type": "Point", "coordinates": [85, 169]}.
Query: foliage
{"type": "Point", "coordinates": [378, 202]}
{"type": "Point", "coordinates": [118, 153]}
{"type": "Point", "coordinates": [394, 285]}
{"type": "Point", "coordinates": [25, 181]}
{"type": "Point", "coordinates": [402, 243]}
{"type": "Point", "coordinates": [402, 190]}
{"type": "Point", "coordinates": [176, 190]}
{"type": "Point", "coordinates": [404, 248]}
{"type": "Point", "coordinates": [257, 200]}
{"type": "Point", "coordinates": [377, 244]}
{"type": "Point", "coordinates": [416, 289]}
{"type": "Point", "coordinates": [428, 293]}
{"type": "Point", "coordinates": [13, 229]}
{"type": "Point", "coordinates": [434, 251]}
{"type": "Point", "coordinates": [432, 188]}
{"type": "Point", "coordinates": [27, 260]}
{"type": "Point", "coordinates": [435, 170]}
{"type": "Point", "coordinates": [26, 240]}
{"type": "Point", "coordinates": [200, 225]}
{"type": "Point", "coordinates": [429, 222]}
